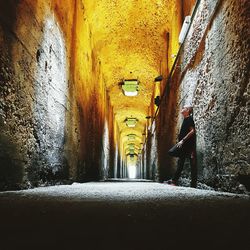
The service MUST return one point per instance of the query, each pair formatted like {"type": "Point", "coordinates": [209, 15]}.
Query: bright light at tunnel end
{"type": "Point", "coordinates": [131, 171]}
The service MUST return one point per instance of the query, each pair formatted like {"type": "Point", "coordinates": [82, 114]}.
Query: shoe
{"type": "Point", "coordinates": [193, 184]}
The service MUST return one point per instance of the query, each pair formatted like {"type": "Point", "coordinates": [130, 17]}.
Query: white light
{"type": "Point", "coordinates": [131, 122]}
{"type": "Point", "coordinates": [50, 88]}
{"type": "Point", "coordinates": [127, 93]}
{"type": "Point", "coordinates": [131, 125]}
{"type": "Point", "coordinates": [131, 171]}
{"type": "Point", "coordinates": [184, 29]}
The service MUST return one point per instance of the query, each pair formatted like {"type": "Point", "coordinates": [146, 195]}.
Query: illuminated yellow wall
{"type": "Point", "coordinates": [132, 46]}
{"type": "Point", "coordinates": [71, 58]}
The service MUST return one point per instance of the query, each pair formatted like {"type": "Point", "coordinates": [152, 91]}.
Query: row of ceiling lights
{"type": "Point", "coordinates": [131, 88]}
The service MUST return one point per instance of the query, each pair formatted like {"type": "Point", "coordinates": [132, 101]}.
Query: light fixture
{"type": "Point", "coordinates": [159, 78]}
{"type": "Point", "coordinates": [184, 29]}
{"type": "Point", "coordinates": [131, 122]}
{"type": "Point", "coordinates": [131, 137]}
{"type": "Point", "coordinates": [131, 151]}
{"type": "Point", "coordinates": [157, 101]}
{"type": "Point", "coordinates": [130, 87]}
{"type": "Point", "coordinates": [132, 167]}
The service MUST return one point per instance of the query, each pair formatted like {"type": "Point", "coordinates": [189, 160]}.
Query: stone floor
{"type": "Point", "coordinates": [123, 215]}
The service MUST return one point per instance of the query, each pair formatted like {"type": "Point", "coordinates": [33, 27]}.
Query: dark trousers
{"type": "Point", "coordinates": [193, 163]}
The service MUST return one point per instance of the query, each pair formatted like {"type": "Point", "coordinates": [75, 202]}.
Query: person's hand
{"type": "Point", "coordinates": [179, 144]}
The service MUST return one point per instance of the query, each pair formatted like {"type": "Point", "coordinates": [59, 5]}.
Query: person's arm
{"type": "Point", "coordinates": [190, 134]}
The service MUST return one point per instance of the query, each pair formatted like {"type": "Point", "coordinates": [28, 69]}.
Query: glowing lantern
{"type": "Point", "coordinates": [131, 122]}
{"type": "Point", "coordinates": [130, 87]}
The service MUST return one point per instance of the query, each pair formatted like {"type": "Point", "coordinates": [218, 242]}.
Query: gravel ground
{"type": "Point", "coordinates": [123, 215]}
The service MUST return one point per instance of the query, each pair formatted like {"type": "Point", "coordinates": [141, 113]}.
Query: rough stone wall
{"type": "Point", "coordinates": [167, 130]}
{"type": "Point", "coordinates": [215, 79]}
{"type": "Point", "coordinates": [96, 113]}
{"type": "Point", "coordinates": [112, 154]}
{"type": "Point", "coordinates": [11, 168]}
{"type": "Point", "coordinates": [153, 158]}
{"type": "Point", "coordinates": [52, 95]}
{"type": "Point", "coordinates": [159, 165]}
{"type": "Point", "coordinates": [34, 72]}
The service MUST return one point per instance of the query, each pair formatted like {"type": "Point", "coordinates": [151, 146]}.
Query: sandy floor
{"type": "Point", "coordinates": [123, 215]}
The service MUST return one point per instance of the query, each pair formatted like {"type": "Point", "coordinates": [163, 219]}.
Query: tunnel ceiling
{"type": "Point", "coordinates": [130, 38]}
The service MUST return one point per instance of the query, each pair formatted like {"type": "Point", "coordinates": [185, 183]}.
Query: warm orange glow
{"type": "Point", "coordinates": [109, 41]}
{"type": "Point", "coordinates": [132, 46]}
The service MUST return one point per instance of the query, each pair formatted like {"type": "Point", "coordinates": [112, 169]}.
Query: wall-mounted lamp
{"type": "Point", "coordinates": [157, 101]}
{"type": "Point", "coordinates": [159, 78]}
{"type": "Point", "coordinates": [130, 87]}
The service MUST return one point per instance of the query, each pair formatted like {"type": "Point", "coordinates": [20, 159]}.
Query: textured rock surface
{"type": "Point", "coordinates": [34, 95]}
{"type": "Point", "coordinates": [62, 110]}
{"type": "Point", "coordinates": [215, 79]}
{"type": "Point", "coordinates": [47, 98]}
{"type": "Point", "coordinates": [132, 43]}
{"type": "Point", "coordinates": [167, 118]}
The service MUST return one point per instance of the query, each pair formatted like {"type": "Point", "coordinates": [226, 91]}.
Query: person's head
{"type": "Point", "coordinates": [187, 110]}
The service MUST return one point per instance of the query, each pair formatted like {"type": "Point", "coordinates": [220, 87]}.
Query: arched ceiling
{"type": "Point", "coordinates": [130, 37]}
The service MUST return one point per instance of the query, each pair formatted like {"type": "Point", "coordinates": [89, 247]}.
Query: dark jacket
{"type": "Point", "coordinates": [189, 145]}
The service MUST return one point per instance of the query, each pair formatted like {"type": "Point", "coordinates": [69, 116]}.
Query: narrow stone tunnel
{"type": "Point", "coordinates": [68, 72]}
{"type": "Point", "coordinates": [91, 93]}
